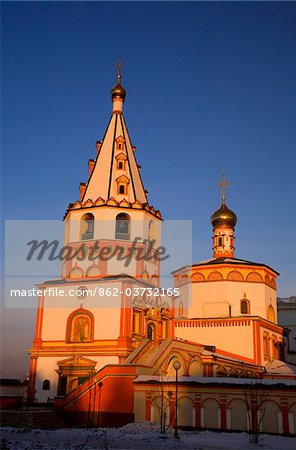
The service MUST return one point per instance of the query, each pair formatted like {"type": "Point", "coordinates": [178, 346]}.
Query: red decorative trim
{"type": "Point", "coordinates": [223, 421]}
{"type": "Point", "coordinates": [285, 415]}
{"type": "Point", "coordinates": [198, 412]}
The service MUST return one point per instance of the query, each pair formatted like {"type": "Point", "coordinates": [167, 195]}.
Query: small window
{"type": "Point", "coordinates": [87, 227]}
{"type": "Point", "coordinates": [151, 332]}
{"type": "Point", "coordinates": [119, 146]}
{"type": "Point", "coordinates": [46, 385]}
{"type": "Point", "coordinates": [220, 241]}
{"type": "Point", "coordinates": [122, 229]}
{"type": "Point", "coordinates": [120, 165]}
{"type": "Point", "coordinates": [122, 189]}
{"type": "Point", "coordinates": [245, 306]}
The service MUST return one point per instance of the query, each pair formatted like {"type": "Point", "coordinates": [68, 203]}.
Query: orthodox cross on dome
{"type": "Point", "coordinates": [223, 184]}
{"type": "Point", "coordinates": [119, 66]}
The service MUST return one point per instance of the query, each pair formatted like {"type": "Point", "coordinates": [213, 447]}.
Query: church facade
{"type": "Point", "coordinates": [109, 358]}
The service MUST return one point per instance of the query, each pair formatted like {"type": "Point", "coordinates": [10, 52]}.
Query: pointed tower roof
{"type": "Point", "coordinates": [114, 174]}
{"type": "Point", "coordinates": [102, 180]}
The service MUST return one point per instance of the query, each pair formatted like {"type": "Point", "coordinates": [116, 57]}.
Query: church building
{"type": "Point", "coordinates": [108, 352]}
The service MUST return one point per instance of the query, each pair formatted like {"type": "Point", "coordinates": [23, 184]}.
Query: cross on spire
{"type": "Point", "coordinates": [119, 66]}
{"type": "Point", "coordinates": [223, 184]}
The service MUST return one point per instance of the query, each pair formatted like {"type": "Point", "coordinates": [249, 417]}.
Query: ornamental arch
{"type": "Point", "coordinates": [215, 276]}
{"type": "Point", "coordinates": [80, 326]}
{"type": "Point", "coordinates": [186, 412]}
{"type": "Point", "coordinates": [271, 416]}
{"type": "Point", "coordinates": [235, 275]}
{"type": "Point", "coordinates": [76, 273]}
{"type": "Point", "coordinates": [238, 414]}
{"type": "Point", "coordinates": [210, 413]}
{"type": "Point", "coordinates": [254, 277]}
{"type": "Point", "coordinates": [195, 368]}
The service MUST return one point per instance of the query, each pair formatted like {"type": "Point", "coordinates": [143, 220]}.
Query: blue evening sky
{"type": "Point", "coordinates": [210, 86]}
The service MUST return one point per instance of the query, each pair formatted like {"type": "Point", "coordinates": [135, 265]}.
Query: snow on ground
{"type": "Point", "coordinates": [135, 436]}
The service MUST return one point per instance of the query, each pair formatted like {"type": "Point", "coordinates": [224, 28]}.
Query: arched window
{"type": "Point", "coordinates": [46, 385]}
{"type": "Point", "coordinates": [120, 165]}
{"type": "Point", "coordinates": [151, 231]}
{"type": "Point", "coordinates": [93, 272]}
{"type": "Point", "coordinates": [121, 189]}
{"type": "Point", "coordinates": [87, 226]}
{"type": "Point", "coordinates": [220, 241]}
{"type": "Point", "coordinates": [122, 229]}
{"type": "Point", "coordinates": [245, 306]}
{"type": "Point", "coordinates": [76, 273]}
{"type": "Point", "coordinates": [181, 312]}
{"type": "Point", "coordinates": [270, 314]}
{"type": "Point", "coordinates": [122, 184]}
{"type": "Point", "coordinates": [151, 332]}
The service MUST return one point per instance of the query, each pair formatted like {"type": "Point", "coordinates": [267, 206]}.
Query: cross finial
{"type": "Point", "coordinates": [119, 66]}
{"type": "Point", "coordinates": [223, 184]}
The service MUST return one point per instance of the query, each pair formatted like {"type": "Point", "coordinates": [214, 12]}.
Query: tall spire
{"type": "Point", "coordinates": [114, 175]}
{"type": "Point", "coordinates": [223, 222]}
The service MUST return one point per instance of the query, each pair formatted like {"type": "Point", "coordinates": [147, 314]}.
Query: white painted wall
{"type": "Point", "coordinates": [234, 339]}
{"type": "Point", "coordinates": [211, 298]}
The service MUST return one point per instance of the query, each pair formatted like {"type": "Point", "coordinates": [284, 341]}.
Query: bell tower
{"type": "Point", "coordinates": [99, 310]}
{"type": "Point", "coordinates": [112, 219]}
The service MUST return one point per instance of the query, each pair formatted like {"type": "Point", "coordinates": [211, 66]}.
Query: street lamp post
{"type": "Point", "coordinates": [170, 398]}
{"type": "Point", "coordinates": [100, 384]}
{"type": "Point", "coordinates": [176, 366]}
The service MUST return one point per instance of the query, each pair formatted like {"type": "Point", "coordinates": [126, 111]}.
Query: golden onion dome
{"type": "Point", "coordinates": [223, 217]}
{"type": "Point", "coordinates": [118, 90]}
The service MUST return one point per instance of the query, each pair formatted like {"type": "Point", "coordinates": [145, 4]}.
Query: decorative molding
{"type": "Point", "coordinates": [200, 323]}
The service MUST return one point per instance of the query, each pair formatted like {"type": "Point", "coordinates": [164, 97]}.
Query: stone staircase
{"type": "Point", "coordinates": [146, 355]}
